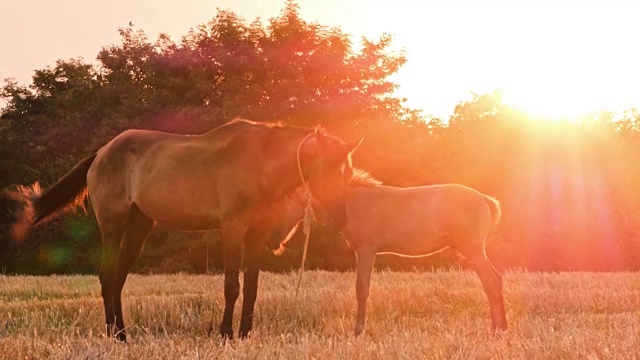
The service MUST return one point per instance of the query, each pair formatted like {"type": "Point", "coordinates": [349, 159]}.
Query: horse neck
{"type": "Point", "coordinates": [282, 169]}
{"type": "Point", "coordinates": [273, 152]}
{"type": "Point", "coordinates": [358, 194]}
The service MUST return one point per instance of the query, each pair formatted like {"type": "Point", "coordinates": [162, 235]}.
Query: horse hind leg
{"type": "Point", "coordinates": [138, 228]}
{"type": "Point", "coordinates": [112, 232]}
{"type": "Point", "coordinates": [498, 277]}
{"type": "Point", "coordinates": [492, 284]}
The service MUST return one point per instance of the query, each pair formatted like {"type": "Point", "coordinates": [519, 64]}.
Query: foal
{"type": "Point", "coordinates": [415, 222]}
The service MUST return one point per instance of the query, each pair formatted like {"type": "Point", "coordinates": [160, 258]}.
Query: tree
{"type": "Point", "coordinates": [287, 69]}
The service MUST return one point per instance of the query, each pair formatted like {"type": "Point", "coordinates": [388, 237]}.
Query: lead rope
{"type": "Point", "coordinates": [309, 216]}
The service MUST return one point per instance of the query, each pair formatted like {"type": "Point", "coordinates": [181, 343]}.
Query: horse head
{"type": "Point", "coordinates": [325, 164]}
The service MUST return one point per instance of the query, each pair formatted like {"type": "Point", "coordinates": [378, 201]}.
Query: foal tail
{"type": "Point", "coordinates": [37, 206]}
{"type": "Point", "coordinates": [496, 212]}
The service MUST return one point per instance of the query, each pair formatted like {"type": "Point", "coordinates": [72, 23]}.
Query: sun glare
{"type": "Point", "coordinates": [577, 63]}
{"type": "Point", "coordinates": [549, 106]}
{"type": "Point", "coordinates": [569, 101]}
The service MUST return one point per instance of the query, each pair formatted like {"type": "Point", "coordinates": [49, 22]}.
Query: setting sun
{"type": "Point", "coordinates": [550, 62]}
{"type": "Point", "coordinates": [549, 105]}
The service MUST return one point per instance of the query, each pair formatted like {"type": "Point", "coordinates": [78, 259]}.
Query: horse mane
{"type": "Point", "coordinates": [362, 177]}
{"type": "Point", "coordinates": [272, 124]}
{"type": "Point", "coordinates": [275, 124]}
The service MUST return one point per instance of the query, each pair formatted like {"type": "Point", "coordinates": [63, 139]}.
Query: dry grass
{"type": "Point", "coordinates": [411, 315]}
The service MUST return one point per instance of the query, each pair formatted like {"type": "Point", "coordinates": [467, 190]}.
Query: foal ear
{"type": "Point", "coordinates": [353, 145]}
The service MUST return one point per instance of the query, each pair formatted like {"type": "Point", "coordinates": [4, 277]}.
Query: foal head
{"type": "Point", "coordinates": [325, 162]}
{"type": "Point", "coordinates": [290, 211]}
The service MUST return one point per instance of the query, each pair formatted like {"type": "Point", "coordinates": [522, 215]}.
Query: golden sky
{"type": "Point", "coordinates": [551, 58]}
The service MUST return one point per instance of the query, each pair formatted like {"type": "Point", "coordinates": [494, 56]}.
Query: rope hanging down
{"type": "Point", "coordinates": [309, 216]}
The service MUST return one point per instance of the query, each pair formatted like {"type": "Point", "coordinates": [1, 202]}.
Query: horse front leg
{"type": "Point", "coordinates": [364, 266]}
{"type": "Point", "coordinates": [253, 255]}
{"type": "Point", "coordinates": [232, 248]}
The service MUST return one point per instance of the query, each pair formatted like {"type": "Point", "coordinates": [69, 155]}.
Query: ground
{"type": "Point", "coordinates": [435, 315]}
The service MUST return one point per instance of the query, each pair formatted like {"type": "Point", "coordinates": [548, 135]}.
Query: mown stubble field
{"type": "Point", "coordinates": [439, 315]}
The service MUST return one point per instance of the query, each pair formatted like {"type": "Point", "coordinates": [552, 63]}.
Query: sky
{"type": "Point", "coordinates": [551, 58]}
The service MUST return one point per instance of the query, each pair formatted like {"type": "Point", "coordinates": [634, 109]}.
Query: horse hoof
{"type": "Point", "coordinates": [226, 335]}
{"type": "Point", "coordinates": [359, 330]}
{"type": "Point", "coordinates": [122, 337]}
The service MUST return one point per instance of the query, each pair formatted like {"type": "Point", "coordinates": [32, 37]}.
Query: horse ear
{"type": "Point", "coordinates": [353, 145]}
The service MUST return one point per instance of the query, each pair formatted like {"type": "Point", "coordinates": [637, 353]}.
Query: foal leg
{"type": "Point", "coordinates": [138, 230]}
{"type": "Point", "coordinates": [364, 266]}
{"type": "Point", "coordinates": [492, 284]}
{"type": "Point", "coordinates": [252, 259]}
{"type": "Point", "coordinates": [498, 277]}
{"type": "Point", "coordinates": [233, 235]}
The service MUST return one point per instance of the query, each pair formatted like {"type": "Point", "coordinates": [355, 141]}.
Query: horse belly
{"type": "Point", "coordinates": [179, 209]}
{"type": "Point", "coordinates": [388, 233]}
{"type": "Point", "coordinates": [413, 246]}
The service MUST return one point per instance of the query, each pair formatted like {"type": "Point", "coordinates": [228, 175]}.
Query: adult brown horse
{"type": "Point", "coordinates": [413, 222]}
{"type": "Point", "coordinates": [228, 178]}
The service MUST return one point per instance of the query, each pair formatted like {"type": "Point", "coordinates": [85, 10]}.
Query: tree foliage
{"type": "Point", "coordinates": [569, 190]}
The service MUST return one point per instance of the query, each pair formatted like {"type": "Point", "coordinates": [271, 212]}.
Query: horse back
{"type": "Point", "coordinates": [414, 221]}
{"type": "Point", "coordinates": [154, 169]}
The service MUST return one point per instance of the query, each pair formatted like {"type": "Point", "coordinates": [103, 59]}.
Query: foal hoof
{"type": "Point", "coordinates": [498, 330]}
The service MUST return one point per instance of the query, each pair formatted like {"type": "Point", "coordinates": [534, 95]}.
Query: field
{"type": "Point", "coordinates": [440, 315]}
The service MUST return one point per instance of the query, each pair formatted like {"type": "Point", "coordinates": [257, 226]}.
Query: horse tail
{"type": "Point", "coordinates": [496, 212]}
{"type": "Point", "coordinates": [68, 193]}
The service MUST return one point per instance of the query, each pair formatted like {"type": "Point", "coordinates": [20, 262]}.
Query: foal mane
{"type": "Point", "coordinates": [362, 177]}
